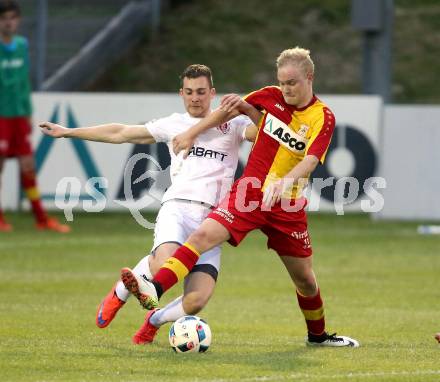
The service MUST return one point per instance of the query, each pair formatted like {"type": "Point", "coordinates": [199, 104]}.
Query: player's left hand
{"type": "Point", "coordinates": [183, 142]}
{"type": "Point", "coordinates": [274, 191]}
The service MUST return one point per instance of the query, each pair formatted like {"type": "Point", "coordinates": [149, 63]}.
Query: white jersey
{"type": "Point", "coordinates": [208, 172]}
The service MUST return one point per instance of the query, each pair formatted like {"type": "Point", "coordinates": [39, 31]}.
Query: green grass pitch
{"type": "Point", "coordinates": [379, 281]}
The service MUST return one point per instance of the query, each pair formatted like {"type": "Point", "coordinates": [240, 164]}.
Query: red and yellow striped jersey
{"type": "Point", "coordinates": [286, 134]}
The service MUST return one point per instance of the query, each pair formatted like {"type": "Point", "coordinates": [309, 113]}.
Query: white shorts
{"type": "Point", "coordinates": [176, 220]}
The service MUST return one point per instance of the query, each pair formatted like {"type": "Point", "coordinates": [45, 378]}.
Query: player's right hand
{"type": "Point", "coordinates": [274, 191]}
{"type": "Point", "coordinates": [53, 130]}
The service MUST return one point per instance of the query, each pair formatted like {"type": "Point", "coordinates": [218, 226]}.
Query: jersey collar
{"type": "Point", "coordinates": [9, 47]}
{"type": "Point", "coordinates": [312, 101]}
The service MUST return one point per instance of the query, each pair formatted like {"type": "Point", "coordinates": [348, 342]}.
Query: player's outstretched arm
{"type": "Point", "coordinates": [109, 133]}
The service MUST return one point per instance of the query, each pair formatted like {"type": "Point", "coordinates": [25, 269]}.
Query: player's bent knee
{"type": "Point", "coordinates": [307, 285]}
{"type": "Point", "coordinates": [201, 239]}
{"type": "Point", "coordinates": [194, 302]}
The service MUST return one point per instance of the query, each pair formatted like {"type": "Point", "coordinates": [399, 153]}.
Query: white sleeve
{"type": "Point", "coordinates": [161, 129]}
{"type": "Point", "coordinates": [239, 126]}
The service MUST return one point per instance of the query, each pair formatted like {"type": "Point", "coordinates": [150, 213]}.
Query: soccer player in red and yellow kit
{"type": "Point", "coordinates": [15, 113]}
{"type": "Point", "coordinates": [295, 130]}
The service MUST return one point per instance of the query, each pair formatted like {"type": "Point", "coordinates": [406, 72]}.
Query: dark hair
{"type": "Point", "coordinates": [8, 6]}
{"type": "Point", "coordinates": [196, 71]}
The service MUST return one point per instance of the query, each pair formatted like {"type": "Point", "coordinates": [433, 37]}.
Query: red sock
{"type": "Point", "coordinates": [29, 183]}
{"type": "Point", "coordinates": [313, 310]}
{"type": "Point", "coordinates": [176, 268]}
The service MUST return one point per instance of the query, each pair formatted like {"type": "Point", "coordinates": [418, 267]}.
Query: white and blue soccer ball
{"type": "Point", "coordinates": [190, 334]}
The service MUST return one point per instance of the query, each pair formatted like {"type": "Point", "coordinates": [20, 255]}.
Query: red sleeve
{"type": "Point", "coordinates": [260, 98]}
{"type": "Point", "coordinates": [320, 141]}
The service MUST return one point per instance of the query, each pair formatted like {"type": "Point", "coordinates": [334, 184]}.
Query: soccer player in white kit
{"type": "Point", "coordinates": [197, 185]}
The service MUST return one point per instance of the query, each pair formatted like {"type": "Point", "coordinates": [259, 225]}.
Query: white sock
{"type": "Point", "coordinates": [170, 313]}
{"type": "Point", "coordinates": [121, 291]}
{"type": "Point", "coordinates": [142, 268]}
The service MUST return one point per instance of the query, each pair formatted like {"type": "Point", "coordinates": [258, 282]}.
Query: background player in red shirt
{"type": "Point", "coordinates": [15, 113]}
{"type": "Point", "coordinates": [294, 134]}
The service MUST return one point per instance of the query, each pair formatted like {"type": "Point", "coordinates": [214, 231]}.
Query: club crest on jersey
{"type": "Point", "coordinates": [303, 129]}
{"type": "Point", "coordinates": [282, 133]}
{"type": "Point", "coordinates": [224, 128]}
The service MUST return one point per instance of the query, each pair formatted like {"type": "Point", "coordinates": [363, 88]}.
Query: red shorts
{"type": "Point", "coordinates": [285, 228]}
{"type": "Point", "coordinates": [15, 137]}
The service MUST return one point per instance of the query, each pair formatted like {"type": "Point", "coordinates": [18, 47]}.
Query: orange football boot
{"type": "Point", "coordinates": [4, 226]}
{"type": "Point", "coordinates": [108, 308]}
{"type": "Point", "coordinates": [53, 224]}
{"type": "Point", "coordinates": [147, 332]}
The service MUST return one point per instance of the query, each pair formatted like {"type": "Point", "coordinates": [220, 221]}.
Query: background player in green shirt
{"type": "Point", "coordinates": [15, 113]}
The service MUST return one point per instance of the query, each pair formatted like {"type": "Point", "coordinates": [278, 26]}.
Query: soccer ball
{"type": "Point", "coordinates": [190, 334]}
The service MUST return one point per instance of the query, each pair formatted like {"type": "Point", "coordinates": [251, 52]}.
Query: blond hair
{"type": "Point", "coordinates": [296, 56]}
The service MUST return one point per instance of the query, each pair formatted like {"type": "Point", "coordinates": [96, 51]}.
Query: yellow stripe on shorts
{"type": "Point", "coordinates": [313, 315]}
{"type": "Point", "coordinates": [177, 267]}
